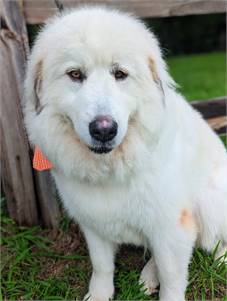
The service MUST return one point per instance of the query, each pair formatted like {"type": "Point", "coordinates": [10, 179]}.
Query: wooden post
{"type": "Point", "coordinates": [29, 198]}
{"type": "Point", "coordinates": [47, 199]}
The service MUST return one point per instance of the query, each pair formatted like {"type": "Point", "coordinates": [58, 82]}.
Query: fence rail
{"type": "Point", "coordinates": [30, 194]}
{"type": "Point", "coordinates": [38, 11]}
{"type": "Point", "coordinates": [214, 111]}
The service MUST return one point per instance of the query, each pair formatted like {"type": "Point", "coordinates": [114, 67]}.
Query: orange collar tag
{"type": "Point", "coordinates": [40, 161]}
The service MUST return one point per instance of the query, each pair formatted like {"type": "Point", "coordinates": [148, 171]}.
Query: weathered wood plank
{"type": "Point", "coordinates": [37, 12]}
{"type": "Point", "coordinates": [27, 195]}
{"type": "Point", "coordinates": [6, 177]}
{"type": "Point", "coordinates": [212, 107]}
{"type": "Point", "coordinates": [214, 111]}
{"type": "Point", "coordinates": [218, 123]}
{"type": "Point", "coordinates": [17, 177]}
{"type": "Point", "coordinates": [47, 196]}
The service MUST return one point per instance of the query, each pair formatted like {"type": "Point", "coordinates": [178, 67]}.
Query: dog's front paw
{"type": "Point", "coordinates": [101, 287]}
{"type": "Point", "coordinates": [148, 278]}
{"type": "Point", "coordinates": [92, 297]}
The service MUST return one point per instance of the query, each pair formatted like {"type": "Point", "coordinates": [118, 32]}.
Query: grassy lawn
{"type": "Point", "coordinates": [54, 265]}
{"type": "Point", "coordinates": [200, 76]}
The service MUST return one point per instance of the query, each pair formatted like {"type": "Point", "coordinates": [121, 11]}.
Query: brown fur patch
{"type": "Point", "coordinates": [153, 69]}
{"type": "Point", "coordinates": [187, 220]}
{"type": "Point", "coordinates": [37, 86]}
{"type": "Point", "coordinates": [155, 76]}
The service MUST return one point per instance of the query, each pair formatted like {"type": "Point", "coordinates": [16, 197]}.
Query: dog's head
{"type": "Point", "coordinates": [96, 73]}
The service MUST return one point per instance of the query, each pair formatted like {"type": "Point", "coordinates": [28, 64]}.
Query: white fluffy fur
{"type": "Point", "coordinates": [164, 185]}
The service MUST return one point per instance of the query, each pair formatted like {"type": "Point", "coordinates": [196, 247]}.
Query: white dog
{"type": "Point", "coordinates": [133, 162]}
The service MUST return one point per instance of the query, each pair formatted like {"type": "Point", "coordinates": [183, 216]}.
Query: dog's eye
{"type": "Point", "coordinates": [120, 74]}
{"type": "Point", "coordinates": [76, 75]}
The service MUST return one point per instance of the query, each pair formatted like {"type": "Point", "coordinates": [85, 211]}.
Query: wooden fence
{"type": "Point", "coordinates": [30, 195]}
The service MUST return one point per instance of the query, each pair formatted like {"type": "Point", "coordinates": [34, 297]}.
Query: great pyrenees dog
{"type": "Point", "coordinates": [133, 162]}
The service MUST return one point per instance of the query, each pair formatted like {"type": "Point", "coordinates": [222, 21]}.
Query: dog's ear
{"type": "Point", "coordinates": [154, 73]}
{"type": "Point", "coordinates": [37, 86]}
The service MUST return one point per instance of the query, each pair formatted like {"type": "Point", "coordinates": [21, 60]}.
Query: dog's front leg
{"type": "Point", "coordinates": [101, 287]}
{"type": "Point", "coordinates": [172, 249]}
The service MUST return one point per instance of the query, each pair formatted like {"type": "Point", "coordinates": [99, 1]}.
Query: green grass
{"type": "Point", "coordinates": [223, 139]}
{"type": "Point", "coordinates": [54, 265]}
{"type": "Point", "coordinates": [38, 264]}
{"type": "Point", "coordinates": [200, 76]}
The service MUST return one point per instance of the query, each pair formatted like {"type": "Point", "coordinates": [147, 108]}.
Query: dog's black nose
{"type": "Point", "coordinates": [103, 128]}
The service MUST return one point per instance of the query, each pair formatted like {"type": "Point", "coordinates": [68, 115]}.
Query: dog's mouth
{"type": "Point", "coordinates": [100, 149]}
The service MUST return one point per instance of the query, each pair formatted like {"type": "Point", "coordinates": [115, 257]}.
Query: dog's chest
{"type": "Point", "coordinates": [111, 218]}
{"type": "Point", "coordinates": [119, 231]}
{"type": "Point", "coordinates": [113, 212]}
